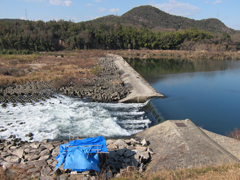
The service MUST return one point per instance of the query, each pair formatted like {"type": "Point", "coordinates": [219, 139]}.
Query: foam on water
{"type": "Point", "coordinates": [61, 117]}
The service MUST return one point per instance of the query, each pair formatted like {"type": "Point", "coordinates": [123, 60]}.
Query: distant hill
{"type": "Point", "coordinates": [11, 20]}
{"type": "Point", "coordinates": [153, 18]}
{"type": "Point", "coordinates": [157, 20]}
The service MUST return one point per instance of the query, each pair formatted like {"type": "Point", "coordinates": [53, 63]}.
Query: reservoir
{"type": "Point", "coordinates": [204, 91]}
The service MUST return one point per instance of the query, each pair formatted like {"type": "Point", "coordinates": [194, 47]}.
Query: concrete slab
{"type": "Point", "coordinates": [141, 89]}
{"type": "Point", "coordinates": [181, 144]}
{"type": "Point", "coordinates": [230, 144]}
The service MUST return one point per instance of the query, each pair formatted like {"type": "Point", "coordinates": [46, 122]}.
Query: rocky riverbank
{"type": "Point", "coordinates": [106, 86]}
{"type": "Point", "coordinates": [23, 160]}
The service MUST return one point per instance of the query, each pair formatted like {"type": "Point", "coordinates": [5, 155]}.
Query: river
{"type": "Point", "coordinates": [207, 92]}
{"type": "Point", "coordinates": [204, 91]}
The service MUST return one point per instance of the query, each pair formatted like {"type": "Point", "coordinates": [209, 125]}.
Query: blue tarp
{"type": "Point", "coordinates": [81, 155]}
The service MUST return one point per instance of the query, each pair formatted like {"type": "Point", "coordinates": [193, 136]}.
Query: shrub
{"type": "Point", "coordinates": [235, 134]}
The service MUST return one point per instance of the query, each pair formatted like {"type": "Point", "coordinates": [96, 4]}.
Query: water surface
{"type": "Point", "coordinates": [207, 92]}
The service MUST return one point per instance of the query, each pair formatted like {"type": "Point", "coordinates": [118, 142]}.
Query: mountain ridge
{"type": "Point", "coordinates": [152, 17]}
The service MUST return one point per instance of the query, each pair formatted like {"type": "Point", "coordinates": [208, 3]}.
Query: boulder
{"type": "Point", "coordinates": [128, 153]}
{"type": "Point", "coordinates": [121, 143]}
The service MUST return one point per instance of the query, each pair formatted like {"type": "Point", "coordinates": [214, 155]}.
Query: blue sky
{"type": "Point", "coordinates": [81, 10]}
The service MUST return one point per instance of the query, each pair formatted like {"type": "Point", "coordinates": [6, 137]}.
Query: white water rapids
{"type": "Point", "coordinates": [61, 117]}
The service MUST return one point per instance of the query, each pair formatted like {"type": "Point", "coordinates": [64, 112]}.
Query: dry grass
{"type": "Point", "coordinates": [62, 69]}
{"type": "Point", "coordinates": [199, 53]}
{"type": "Point", "coordinates": [214, 173]}
{"type": "Point", "coordinates": [235, 134]}
{"type": "Point", "coordinates": [231, 172]}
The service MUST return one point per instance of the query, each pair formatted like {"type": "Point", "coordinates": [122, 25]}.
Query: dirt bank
{"type": "Point", "coordinates": [105, 86]}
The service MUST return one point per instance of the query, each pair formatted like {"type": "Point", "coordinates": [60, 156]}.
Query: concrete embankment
{"type": "Point", "coordinates": [181, 144]}
{"type": "Point", "coordinates": [141, 90]}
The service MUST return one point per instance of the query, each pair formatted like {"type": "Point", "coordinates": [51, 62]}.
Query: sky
{"type": "Point", "coordinates": [82, 10]}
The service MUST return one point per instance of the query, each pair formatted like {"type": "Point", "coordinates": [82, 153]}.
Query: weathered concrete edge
{"type": "Point", "coordinates": [142, 90]}
{"type": "Point", "coordinates": [212, 142]}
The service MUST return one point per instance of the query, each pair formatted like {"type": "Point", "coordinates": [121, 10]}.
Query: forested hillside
{"type": "Point", "coordinates": [113, 32]}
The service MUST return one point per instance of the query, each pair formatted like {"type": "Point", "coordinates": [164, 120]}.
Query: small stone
{"type": "Point", "coordinates": [44, 157]}
{"type": "Point", "coordinates": [141, 168]}
{"type": "Point", "coordinates": [144, 142]}
{"type": "Point", "coordinates": [39, 163]}
{"type": "Point", "coordinates": [46, 171]}
{"type": "Point", "coordinates": [32, 170]}
{"type": "Point", "coordinates": [150, 151]}
{"type": "Point", "coordinates": [133, 141]}
{"type": "Point", "coordinates": [63, 177]}
{"type": "Point", "coordinates": [144, 156]}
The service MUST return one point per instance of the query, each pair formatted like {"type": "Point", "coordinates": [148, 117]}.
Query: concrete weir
{"type": "Point", "coordinates": [141, 89]}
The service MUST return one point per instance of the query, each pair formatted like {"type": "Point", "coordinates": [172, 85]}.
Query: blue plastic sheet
{"type": "Point", "coordinates": [81, 155]}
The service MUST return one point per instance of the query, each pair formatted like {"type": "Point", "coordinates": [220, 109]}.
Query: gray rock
{"type": "Point", "coordinates": [4, 154]}
{"type": "Point", "coordinates": [13, 159]}
{"type": "Point", "coordinates": [32, 156]}
{"type": "Point", "coordinates": [121, 143]}
{"type": "Point", "coordinates": [110, 141]}
{"type": "Point", "coordinates": [48, 146]}
{"type": "Point", "coordinates": [35, 175]}
{"type": "Point", "coordinates": [35, 145]}
{"type": "Point", "coordinates": [44, 152]}
{"type": "Point", "coordinates": [111, 154]}
{"type": "Point", "coordinates": [46, 171]}
{"type": "Point", "coordinates": [144, 156]}
{"type": "Point", "coordinates": [32, 170]}
{"type": "Point", "coordinates": [128, 153]}
{"type": "Point", "coordinates": [144, 142]}
{"type": "Point", "coordinates": [18, 152]}
{"type": "Point", "coordinates": [150, 151]}
{"type": "Point", "coordinates": [141, 148]}
{"type": "Point", "coordinates": [115, 158]}
{"type": "Point", "coordinates": [120, 152]}
{"type": "Point", "coordinates": [112, 146]}
{"type": "Point", "coordinates": [45, 157]}
{"type": "Point", "coordinates": [55, 152]}
{"type": "Point", "coordinates": [134, 162]}
{"type": "Point", "coordinates": [126, 160]}
{"type": "Point", "coordinates": [63, 177]}
{"type": "Point", "coordinates": [133, 141]}
{"type": "Point", "coordinates": [40, 163]}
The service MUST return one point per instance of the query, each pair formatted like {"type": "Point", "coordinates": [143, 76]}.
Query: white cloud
{"type": "Point", "coordinates": [34, 0]}
{"type": "Point", "coordinates": [61, 2]}
{"type": "Point", "coordinates": [217, 2]}
{"type": "Point", "coordinates": [101, 9]}
{"type": "Point", "coordinates": [178, 8]}
{"type": "Point", "coordinates": [99, 1]}
{"type": "Point", "coordinates": [113, 10]}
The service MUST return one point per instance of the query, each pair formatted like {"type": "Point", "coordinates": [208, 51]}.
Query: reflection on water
{"type": "Point", "coordinates": [207, 92]}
